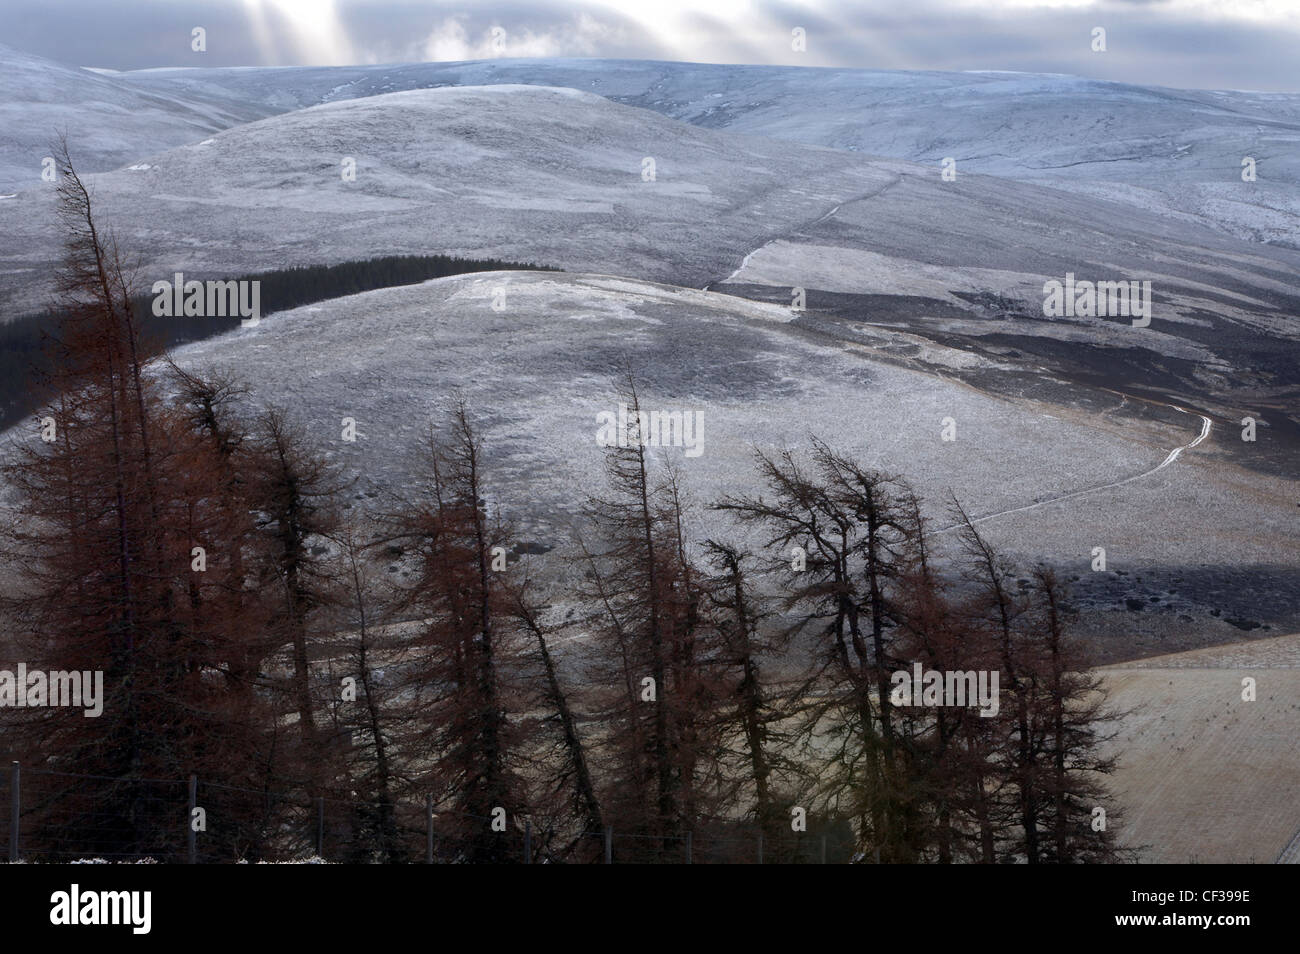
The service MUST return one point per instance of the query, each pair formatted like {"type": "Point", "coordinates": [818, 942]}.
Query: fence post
{"type": "Point", "coordinates": [760, 846]}
{"type": "Point", "coordinates": [191, 846]}
{"type": "Point", "coordinates": [528, 842]}
{"type": "Point", "coordinates": [15, 805]}
{"type": "Point", "coordinates": [690, 855]}
{"type": "Point", "coordinates": [823, 849]}
{"type": "Point", "coordinates": [320, 826]}
{"type": "Point", "coordinates": [428, 829]}
{"type": "Point", "coordinates": [609, 845]}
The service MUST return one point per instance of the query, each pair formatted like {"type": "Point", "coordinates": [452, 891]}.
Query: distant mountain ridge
{"type": "Point", "coordinates": [1177, 152]}
{"type": "Point", "coordinates": [109, 122]}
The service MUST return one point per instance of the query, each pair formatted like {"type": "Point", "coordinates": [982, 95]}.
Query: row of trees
{"type": "Point", "coordinates": [196, 548]}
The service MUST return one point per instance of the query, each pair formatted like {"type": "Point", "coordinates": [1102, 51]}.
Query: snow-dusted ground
{"type": "Point", "coordinates": [1177, 152]}
{"type": "Point", "coordinates": [537, 373]}
{"type": "Point", "coordinates": [924, 296]}
{"type": "Point", "coordinates": [524, 173]}
{"type": "Point", "coordinates": [1205, 775]}
{"type": "Point", "coordinates": [556, 176]}
{"type": "Point", "coordinates": [109, 122]}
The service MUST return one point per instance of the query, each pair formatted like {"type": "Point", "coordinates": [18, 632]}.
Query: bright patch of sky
{"type": "Point", "coordinates": [1238, 44]}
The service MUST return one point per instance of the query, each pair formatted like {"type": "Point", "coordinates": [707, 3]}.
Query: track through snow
{"type": "Point", "coordinates": [788, 236]}
{"type": "Point", "coordinates": [1206, 426]}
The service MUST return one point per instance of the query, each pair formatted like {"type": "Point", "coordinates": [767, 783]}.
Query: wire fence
{"type": "Point", "coordinates": [59, 817]}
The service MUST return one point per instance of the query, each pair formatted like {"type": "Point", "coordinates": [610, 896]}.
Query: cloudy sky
{"type": "Point", "coordinates": [1232, 44]}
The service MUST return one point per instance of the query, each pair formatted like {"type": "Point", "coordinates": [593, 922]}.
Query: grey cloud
{"type": "Point", "coordinates": [1149, 42]}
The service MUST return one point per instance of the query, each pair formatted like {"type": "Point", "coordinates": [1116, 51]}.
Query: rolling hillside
{"type": "Point", "coordinates": [1206, 776]}
{"type": "Point", "coordinates": [109, 123]}
{"type": "Point", "coordinates": [1053, 481]}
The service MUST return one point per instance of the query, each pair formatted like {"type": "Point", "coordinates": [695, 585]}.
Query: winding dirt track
{"type": "Point", "coordinates": [1206, 426]}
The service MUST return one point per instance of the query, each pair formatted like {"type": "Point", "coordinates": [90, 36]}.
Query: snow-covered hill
{"type": "Point", "coordinates": [554, 176]}
{"type": "Point", "coordinates": [563, 177]}
{"type": "Point", "coordinates": [560, 177]}
{"type": "Point", "coordinates": [917, 290]}
{"type": "Point", "coordinates": [1176, 151]}
{"type": "Point", "coordinates": [538, 372]}
{"type": "Point", "coordinates": [1203, 775]}
{"type": "Point", "coordinates": [108, 122]}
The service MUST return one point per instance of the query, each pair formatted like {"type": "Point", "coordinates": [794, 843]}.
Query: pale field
{"type": "Point", "coordinates": [1205, 776]}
